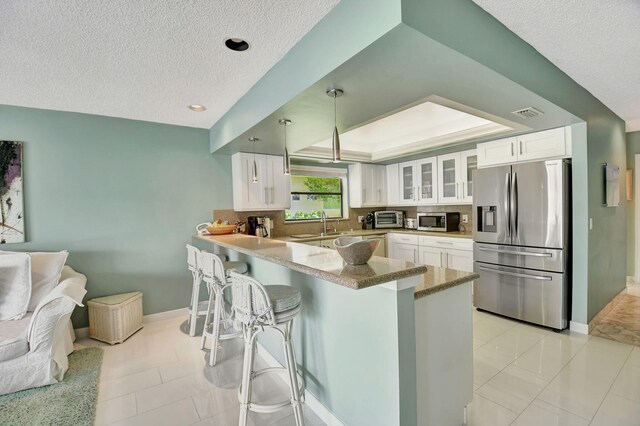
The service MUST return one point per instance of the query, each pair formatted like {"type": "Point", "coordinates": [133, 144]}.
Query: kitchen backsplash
{"type": "Point", "coordinates": [283, 229]}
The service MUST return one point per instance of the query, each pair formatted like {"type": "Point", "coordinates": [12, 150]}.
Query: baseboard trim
{"type": "Point", "coordinates": [83, 332]}
{"type": "Point", "coordinates": [310, 400]}
{"type": "Point", "coordinates": [579, 327]}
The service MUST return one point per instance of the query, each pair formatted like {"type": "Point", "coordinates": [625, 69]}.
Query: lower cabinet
{"type": "Point", "coordinates": [445, 252]}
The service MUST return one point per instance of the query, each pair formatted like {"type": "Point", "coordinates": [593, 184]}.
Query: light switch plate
{"type": "Point", "coordinates": [360, 219]}
{"type": "Point", "coordinates": [465, 218]}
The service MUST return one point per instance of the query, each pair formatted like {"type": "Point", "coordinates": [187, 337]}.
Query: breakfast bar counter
{"type": "Point", "coordinates": [386, 343]}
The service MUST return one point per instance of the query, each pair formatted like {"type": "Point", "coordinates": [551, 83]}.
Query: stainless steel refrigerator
{"type": "Point", "coordinates": [521, 241]}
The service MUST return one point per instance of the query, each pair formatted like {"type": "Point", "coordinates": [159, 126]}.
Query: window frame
{"type": "Point", "coordinates": [328, 172]}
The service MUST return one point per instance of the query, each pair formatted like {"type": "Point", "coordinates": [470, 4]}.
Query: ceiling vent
{"type": "Point", "coordinates": [529, 112]}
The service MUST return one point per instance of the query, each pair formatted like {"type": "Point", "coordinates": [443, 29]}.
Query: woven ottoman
{"type": "Point", "coordinates": [113, 319]}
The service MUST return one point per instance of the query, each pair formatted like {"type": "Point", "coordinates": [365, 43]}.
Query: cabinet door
{"type": "Point", "coordinates": [540, 145]}
{"type": "Point", "coordinates": [502, 151]}
{"type": "Point", "coordinates": [406, 252]}
{"type": "Point", "coordinates": [248, 195]}
{"type": "Point", "coordinates": [432, 256]}
{"type": "Point", "coordinates": [468, 163]}
{"type": "Point", "coordinates": [278, 185]}
{"type": "Point", "coordinates": [407, 182]}
{"type": "Point", "coordinates": [449, 178]}
{"type": "Point", "coordinates": [427, 174]}
{"type": "Point", "coordinates": [461, 260]}
{"type": "Point", "coordinates": [381, 185]}
{"type": "Point", "coordinates": [393, 185]}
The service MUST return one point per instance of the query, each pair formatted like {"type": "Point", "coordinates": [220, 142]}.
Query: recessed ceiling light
{"type": "Point", "coordinates": [236, 44]}
{"type": "Point", "coordinates": [196, 107]}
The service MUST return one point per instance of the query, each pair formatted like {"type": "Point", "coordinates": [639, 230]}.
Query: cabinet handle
{"type": "Point", "coordinates": [442, 262]}
{"type": "Point", "coordinates": [445, 242]}
{"type": "Point", "coordinates": [415, 252]}
{"type": "Point", "coordinates": [464, 191]}
{"type": "Point", "coordinates": [520, 147]}
{"type": "Point", "coordinates": [512, 153]}
{"type": "Point", "coordinates": [379, 195]}
{"type": "Point", "coordinates": [457, 187]}
{"type": "Point", "coordinates": [273, 197]}
{"type": "Point", "coordinates": [419, 193]}
{"type": "Point", "coordinates": [266, 195]}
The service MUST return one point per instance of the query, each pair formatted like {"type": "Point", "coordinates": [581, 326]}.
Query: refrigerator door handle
{"type": "Point", "coordinates": [515, 274]}
{"type": "Point", "coordinates": [516, 253]}
{"type": "Point", "coordinates": [514, 205]}
{"type": "Point", "coordinates": [507, 203]}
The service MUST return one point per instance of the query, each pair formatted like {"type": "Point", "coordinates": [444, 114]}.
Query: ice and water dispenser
{"type": "Point", "coordinates": [487, 219]}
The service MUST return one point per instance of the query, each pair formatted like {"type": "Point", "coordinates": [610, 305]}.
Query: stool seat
{"type": "Point", "coordinates": [283, 297]}
{"type": "Point", "coordinates": [239, 267]}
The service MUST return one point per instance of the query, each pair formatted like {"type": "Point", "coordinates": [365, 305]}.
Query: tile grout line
{"type": "Point", "coordinates": [612, 383]}
{"type": "Point", "coordinates": [552, 379]}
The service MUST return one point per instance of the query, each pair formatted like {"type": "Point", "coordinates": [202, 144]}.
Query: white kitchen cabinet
{"type": "Point", "coordinates": [393, 185]}
{"type": "Point", "coordinates": [454, 177]}
{"type": "Point", "coordinates": [502, 151]}
{"type": "Point", "coordinates": [432, 256]}
{"type": "Point", "coordinates": [367, 185]}
{"type": "Point", "coordinates": [461, 260]}
{"type": "Point", "coordinates": [406, 252]}
{"type": "Point", "coordinates": [445, 252]}
{"type": "Point", "coordinates": [418, 182]}
{"type": "Point", "coordinates": [271, 192]}
{"type": "Point", "coordinates": [548, 144]}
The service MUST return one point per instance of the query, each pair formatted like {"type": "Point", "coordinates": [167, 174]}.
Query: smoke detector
{"type": "Point", "coordinates": [529, 112]}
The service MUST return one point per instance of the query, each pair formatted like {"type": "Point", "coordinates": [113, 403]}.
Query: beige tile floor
{"type": "Point", "coordinates": [523, 375]}
{"type": "Point", "coordinates": [527, 375]}
{"type": "Point", "coordinates": [159, 377]}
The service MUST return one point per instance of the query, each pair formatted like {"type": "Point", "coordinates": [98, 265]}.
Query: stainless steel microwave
{"type": "Point", "coordinates": [439, 222]}
{"type": "Point", "coordinates": [388, 219]}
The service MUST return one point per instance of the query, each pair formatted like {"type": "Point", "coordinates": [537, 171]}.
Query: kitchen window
{"type": "Point", "coordinates": [312, 193]}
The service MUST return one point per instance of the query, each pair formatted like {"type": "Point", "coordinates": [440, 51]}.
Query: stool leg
{"type": "Point", "coordinates": [195, 293]}
{"type": "Point", "coordinates": [215, 333]}
{"type": "Point", "coordinates": [247, 371]}
{"type": "Point", "coordinates": [206, 319]}
{"type": "Point", "coordinates": [293, 375]}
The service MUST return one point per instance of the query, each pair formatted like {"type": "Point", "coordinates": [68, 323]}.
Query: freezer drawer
{"type": "Point", "coordinates": [533, 296]}
{"type": "Point", "coordinates": [520, 257]}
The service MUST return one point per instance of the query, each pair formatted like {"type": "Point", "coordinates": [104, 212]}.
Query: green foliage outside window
{"type": "Point", "coordinates": [310, 195]}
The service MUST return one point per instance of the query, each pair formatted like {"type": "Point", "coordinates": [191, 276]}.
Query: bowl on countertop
{"type": "Point", "coordinates": [221, 229]}
{"type": "Point", "coordinates": [354, 250]}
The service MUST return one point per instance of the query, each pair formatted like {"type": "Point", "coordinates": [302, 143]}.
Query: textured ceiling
{"type": "Point", "coordinates": [144, 59]}
{"type": "Point", "coordinates": [596, 42]}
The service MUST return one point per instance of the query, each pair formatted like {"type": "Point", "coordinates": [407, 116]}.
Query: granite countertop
{"type": "Point", "coordinates": [437, 279]}
{"type": "Point", "coordinates": [320, 262]}
{"type": "Point", "coordinates": [328, 265]}
{"type": "Point", "coordinates": [365, 232]}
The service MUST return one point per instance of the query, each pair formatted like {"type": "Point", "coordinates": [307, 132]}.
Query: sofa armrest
{"type": "Point", "coordinates": [69, 275]}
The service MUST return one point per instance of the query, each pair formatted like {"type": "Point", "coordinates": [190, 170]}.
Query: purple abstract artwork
{"type": "Point", "coordinates": [11, 196]}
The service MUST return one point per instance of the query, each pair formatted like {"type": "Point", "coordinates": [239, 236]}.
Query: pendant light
{"type": "Point", "coordinates": [254, 168]}
{"type": "Point", "coordinates": [286, 163]}
{"type": "Point", "coordinates": [334, 93]}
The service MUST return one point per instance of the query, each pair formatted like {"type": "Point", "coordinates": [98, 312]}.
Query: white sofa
{"type": "Point", "coordinates": [34, 349]}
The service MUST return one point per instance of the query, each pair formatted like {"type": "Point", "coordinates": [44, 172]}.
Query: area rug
{"type": "Point", "coordinates": [71, 402]}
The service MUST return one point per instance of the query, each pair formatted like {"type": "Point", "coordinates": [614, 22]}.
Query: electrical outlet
{"type": "Point", "coordinates": [465, 218]}
{"type": "Point", "coordinates": [360, 219]}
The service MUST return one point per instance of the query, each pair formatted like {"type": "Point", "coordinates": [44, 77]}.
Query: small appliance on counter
{"type": "Point", "coordinates": [367, 223]}
{"type": "Point", "coordinates": [258, 226]}
{"type": "Point", "coordinates": [439, 222]}
{"type": "Point", "coordinates": [410, 223]}
{"type": "Point", "coordinates": [388, 219]}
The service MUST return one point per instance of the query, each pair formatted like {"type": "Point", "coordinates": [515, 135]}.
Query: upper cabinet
{"type": "Point", "coordinates": [418, 182]}
{"type": "Point", "coordinates": [270, 192]}
{"type": "Point", "coordinates": [455, 177]}
{"type": "Point", "coordinates": [548, 144]}
{"type": "Point", "coordinates": [393, 183]}
{"type": "Point", "coordinates": [367, 185]}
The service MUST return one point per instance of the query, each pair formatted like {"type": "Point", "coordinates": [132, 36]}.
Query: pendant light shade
{"type": "Point", "coordinates": [335, 93]}
{"type": "Point", "coordinates": [254, 167]}
{"type": "Point", "coordinates": [286, 162]}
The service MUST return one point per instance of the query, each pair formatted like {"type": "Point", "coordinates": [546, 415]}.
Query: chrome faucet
{"type": "Point", "coordinates": [324, 223]}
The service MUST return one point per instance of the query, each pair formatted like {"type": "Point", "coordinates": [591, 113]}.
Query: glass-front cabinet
{"type": "Point", "coordinates": [408, 182]}
{"type": "Point", "coordinates": [455, 172]}
{"type": "Point", "coordinates": [428, 180]}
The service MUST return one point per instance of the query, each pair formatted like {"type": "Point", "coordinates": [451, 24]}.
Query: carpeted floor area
{"type": "Point", "coordinates": [72, 402]}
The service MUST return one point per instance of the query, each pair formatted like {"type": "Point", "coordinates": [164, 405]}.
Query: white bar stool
{"type": "Point", "coordinates": [214, 274]}
{"type": "Point", "coordinates": [258, 307]}
{"type": "Point", "coordinates": [195, 307]}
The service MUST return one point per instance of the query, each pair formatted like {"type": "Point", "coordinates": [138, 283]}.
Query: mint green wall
{"type": "Point", "coordinates": [599, 271]}
{"type": "Point", "coordinates": [633, 148]}
{"type": "Point", "coordinates": [122, 196]}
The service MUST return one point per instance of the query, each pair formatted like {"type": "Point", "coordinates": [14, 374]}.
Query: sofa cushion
{"type": "Point", "coordinates": [15, 285]}
{"type": "Point", "coordinates": [13, 337]}
{"type": "Point", "coordinates": [46, 268]}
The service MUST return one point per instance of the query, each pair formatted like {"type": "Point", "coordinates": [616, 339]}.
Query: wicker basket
{"type": "Point", "coordinates": [113, 319]}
